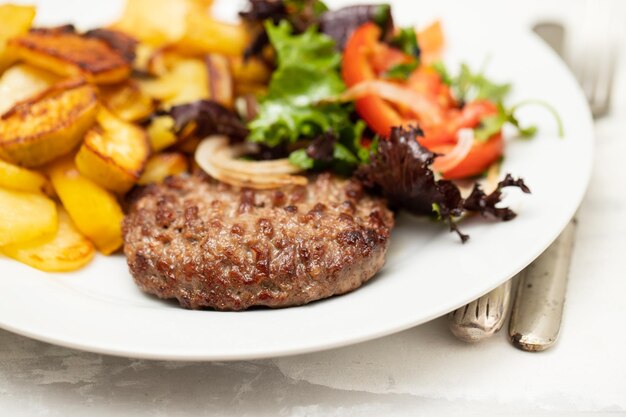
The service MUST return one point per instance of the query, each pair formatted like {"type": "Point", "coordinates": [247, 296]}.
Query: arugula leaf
{"type": "Point", "coordinates": [470, 86]}
{"type": "Point", "coordinates": [406, 41]}
{"type": "Point", "coordinates": [401, 71]}
{"type": "Point", "coordinates": [491, 125]}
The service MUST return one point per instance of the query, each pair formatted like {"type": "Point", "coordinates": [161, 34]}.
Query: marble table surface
{"type": "Point", "coordinates": [422, 371]}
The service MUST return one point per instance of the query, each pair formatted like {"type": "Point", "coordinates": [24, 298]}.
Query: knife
{"type": "Point", "coordinates": [540, 299]}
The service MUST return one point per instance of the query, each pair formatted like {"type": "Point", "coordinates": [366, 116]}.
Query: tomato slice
{"type": "Point", "coordinates": [366, 58]}
{"type": "Point", "coordinates": [377, 113]}
{"type": "Point", "coordinates": [480, 157]}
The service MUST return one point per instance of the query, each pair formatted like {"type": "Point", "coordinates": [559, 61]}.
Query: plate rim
{"type": "Point", "coordinates": [325, 344]}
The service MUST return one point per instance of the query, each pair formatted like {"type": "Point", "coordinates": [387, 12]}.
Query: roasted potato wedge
{"type": "Point", "coordinates": [37, 131]}
{"type": "Point", "coordinates": [155, 22]}
{"type": "Point", "coordinates": [94, 210]}
{"type": "Point", "coordinates": [159, 22]}
{"type": "Point", "coordinates": [161, 133]}
{"type": "Point", "coordinates": [70, 54]}
{"type": "Point", "coordinates": [65, 250]}
{"type": "Point", "coordinates": [205, 35]}
{"type": "Point", "coordinates": [127, 101]}
{"type": "Point", "coordinates": [187, 81]}
{"type": "Point", "coordinates": [113, 153]}
{"type": "Point", "coordinates": [163, 165]}
{"type": "Point", "coordinates": [16, 20]}
{"type": "Point", "coordinates": [17, 178]}
{"type": "Point", "coordinates": [21, 82]}
{"type": "Point", "coordinates": [25, 216]}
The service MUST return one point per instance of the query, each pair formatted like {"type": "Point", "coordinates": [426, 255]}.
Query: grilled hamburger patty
{"type": "Point", "coordinates": [210, 245]}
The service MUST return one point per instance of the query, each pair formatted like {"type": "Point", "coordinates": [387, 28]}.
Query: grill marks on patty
{"type": "Point", "coordinates": [210, 245]}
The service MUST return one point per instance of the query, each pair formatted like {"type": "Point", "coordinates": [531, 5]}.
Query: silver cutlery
{"type": "Point", "coordinates": [482, 317]}
{"type": "Point", "coordinates": [538, 308]}
{"type": "Point", "coordinates": [539, 302]}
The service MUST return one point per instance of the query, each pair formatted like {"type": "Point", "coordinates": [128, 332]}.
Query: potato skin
{"type": "Point", "coordinates": [70, 54]}
{"type": "Point", "coordinates": [114, 153]}
{"type": "Point", "coordinates": [40, 130]}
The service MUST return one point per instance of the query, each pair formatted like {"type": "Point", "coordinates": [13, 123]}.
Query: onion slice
{"type": "Point", "coordinates": [465, 140]}
{"type": "Point", "coordinates": [218, 159]}
{"type": "Point", "coordinates": [427, 111]}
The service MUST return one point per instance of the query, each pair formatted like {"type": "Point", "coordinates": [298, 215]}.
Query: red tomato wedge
{"type": "Point", "coordinates": [480, 157]}
{"type": "Point", "coordinates": [423, 99]}
{"type": "Point", "coordinates": [377, 113]}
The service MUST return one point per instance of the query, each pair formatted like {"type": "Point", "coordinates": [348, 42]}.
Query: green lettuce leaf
{"type": "Point", "coordinates": [297, 105]}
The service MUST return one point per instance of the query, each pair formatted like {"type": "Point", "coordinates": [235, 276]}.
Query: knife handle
{"type": "Point", "coordinates": [538, 308]}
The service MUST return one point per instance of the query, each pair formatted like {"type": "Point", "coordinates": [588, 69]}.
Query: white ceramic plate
{"type": "Point", "coordinates": [428, 272]}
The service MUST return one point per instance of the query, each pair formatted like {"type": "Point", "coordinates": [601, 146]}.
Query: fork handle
{"type": "Point", "coordinates": [538, 307]}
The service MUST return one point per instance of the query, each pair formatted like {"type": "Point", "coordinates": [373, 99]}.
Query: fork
{"type": "Point", "coordinates": [534, 325]}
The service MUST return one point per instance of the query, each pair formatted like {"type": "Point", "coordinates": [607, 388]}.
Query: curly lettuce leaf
{"type": "Point", "coordinates": [401, 171]}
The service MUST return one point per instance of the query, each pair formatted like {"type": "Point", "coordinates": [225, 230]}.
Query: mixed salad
{"type": "Point", "coordinates": [353, 93]}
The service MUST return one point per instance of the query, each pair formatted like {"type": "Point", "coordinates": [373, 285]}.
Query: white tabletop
{"type": "Point", "coordinates": [422, 371]}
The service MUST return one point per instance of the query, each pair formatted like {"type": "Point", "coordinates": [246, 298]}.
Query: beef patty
{"type": "Point", "coordinates": [210, 245]}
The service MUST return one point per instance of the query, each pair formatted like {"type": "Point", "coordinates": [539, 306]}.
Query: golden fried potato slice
{"type": "Point", "coordinates": [187, 81]}
{"type": "Point", "coordinates": [37, 131]}
{"type": "Point", "coordinates": [155, 22]}
{"type": "Point", "coordinates": [205, 35]}
{"type": "Point", "coordinates": [16, 20]}
{"type": "Point", "coordinates": [127, 101]}
{"type": "Point", "coordinates": [67, 53]}
{"type": "Point", "coordinates": [113, 153]}
{"type": "Point", "coordinates": [21, 82]}
{"type": "Point", "coordinates": [94, 210]}
{"type": "Point", "coordinates": [163, 165]}
{"type": "Point", "coordinates": [17, 178]}
{"type": "Point", "coordinates": [158, 22]}
{"type": "Point", "coordinates": [25, 216]}
{"type": "Point", "coordinates": [161, 133]}
{"type": "Point", "coordinates": [63, 251]}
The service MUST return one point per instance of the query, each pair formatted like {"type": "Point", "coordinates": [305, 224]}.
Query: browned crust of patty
{"type": "Point", "coordinates": [210, 245]}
